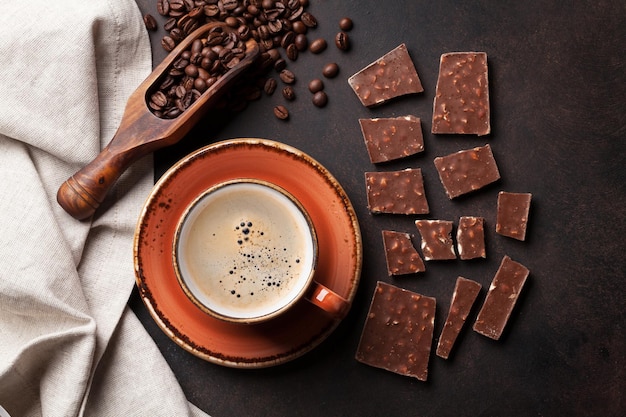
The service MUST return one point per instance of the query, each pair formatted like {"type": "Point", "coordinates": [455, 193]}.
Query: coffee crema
{"type": "Point", "coordinates": [245, 250]}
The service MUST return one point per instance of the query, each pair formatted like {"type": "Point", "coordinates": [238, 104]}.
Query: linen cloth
{"type": "Point", "coordinates": [69, 345]}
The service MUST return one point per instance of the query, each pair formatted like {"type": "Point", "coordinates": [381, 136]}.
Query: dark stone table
{"type": "Point", "coordinates": [557, 84]}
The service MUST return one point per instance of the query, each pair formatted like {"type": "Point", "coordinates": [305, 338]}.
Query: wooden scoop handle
{"type": "Point", "coordinates": [84, 191]}
{"type": "Point", "coordinates": [141, 132]}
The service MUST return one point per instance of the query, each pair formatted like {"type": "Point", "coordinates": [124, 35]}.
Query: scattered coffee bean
{"type": "Point", "coordinates": [346, 24]}
{"type": "Point", "coordinates": [301, 42]}
{"type": "Point", "coordinates": [287, 76]}
{"type": "Point", "coordinates": [289, 93]}
{"type": "Point", "coordinates": [270, 86]}
{"type": "Point", "coordinates": [330, 70]}
{"type": "Point", "coordinates": [292, 52]}
{"type": "Point", "coordinates": [316, 85]}
{"type": "Point", "coordinates": [280, 64]}
{"type": "Point", "coordinates": [308, 19]}
{"type": "Point", "coordinates": [318, 46]}
{"type": "Point", "coordinates": [150, 22]}
{"type": "Point", "coordinates": [281, 112]}
{"type": "Point", "coordinates": [342, 41]}
{"type": "Point", "coordinates": [320, 99]}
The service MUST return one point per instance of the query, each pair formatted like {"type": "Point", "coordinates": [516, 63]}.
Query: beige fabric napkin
{"type": "Point", "coordinates": [69, 345]}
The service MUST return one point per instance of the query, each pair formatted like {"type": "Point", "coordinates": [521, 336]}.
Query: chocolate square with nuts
{"type": "Point", "coordinates": [398, 332]}
{"type": "Point", "coordinates": [467, 170]}
{"type": "Point", "coordinates": [392, 138]}
{"type": "Point", "coordinates": [436, 239]}
{"type": "Point", "coordinates": [461, 102]}
{"type": "Point", "coordinates": [501, 298]}
{"type": "Point", "coordinates": [402, 257]}
{"type": "Point", "coordinates": [512, 214]}
{"type": "Point", "coordinates": [463, 298]}
{"type": "Point", "coordinates": [390, 76]}
{"type": "Point", "coordinates": [470, 238]}
{"type": "Point", "coordinates": [396, 192]}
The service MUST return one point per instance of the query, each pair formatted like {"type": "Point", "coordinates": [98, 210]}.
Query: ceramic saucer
{"type": "Point", "coordinates": [239, 345]}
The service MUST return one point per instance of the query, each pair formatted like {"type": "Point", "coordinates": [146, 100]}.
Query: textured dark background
{"type": "Point", "coordinates": [557, 85]}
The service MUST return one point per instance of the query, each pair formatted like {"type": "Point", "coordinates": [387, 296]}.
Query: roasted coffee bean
{"type": "Point", "coordinates": [308, 19]}
{"type": "Point", "coordinates": [287, 39]}
{"type": "Point", "coordinates": [163, 7]}
{"type": "Point", "coordinates": [169, 24]}
{"type": "Point", "coordinates": [292, 52]}
{"type": "Point", "coordinates": [342, 41]}
{"type": "Point", "coordinates": [345, 24]}
{"type": "Point", "coordinates": [316, 85]}
{"type": "Point", "coordinates": [300, 27]}
{"type": "Point", "coordinates": [289, 93]}
{"type": "Point", "coordinates": [281, 112]}
{"type": "Point", "coordinates": [270, 86]}
{"type": "Point", "coordinates": [287, 76]}
{"type": "Point", "coordinates": [318, 46]}
{"type": "Point", "coordinates": [320, 99]}
{"type": "Point", "coordinates": [150, 22]}
{"type": "Point", "coordinates": [301, 42]}
{"type": "Point", "coordinates": [330, 70]}
{"type": "Point", "coordinates": [168, 43]}
{"type": "Point", "coordinates": [280, 64]}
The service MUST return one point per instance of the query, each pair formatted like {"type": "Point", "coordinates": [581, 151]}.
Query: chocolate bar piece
{"type": "Point", "coordinates": [392, 138]}
{"type": "Point", "coordinates": [436, 239]}
{"type": "Point", "coordinates": [467, 170]}
{"type": "Point", "coordinates": [512, 214]}
{"type": "Point", "coordinates": [397, 192]}
{"type": "Point", "coordinates": [461, 102]}
{"type": "Point", "coordinates": [501, 298]}
{"type": "Point", "coordinates": [463, 297]}
{"type": "Point", "coordinates": [470, 238]}
{"type": "Point", "coordinates": [401, 256]}
{"type": "Point", "coordinates": [398, 332]}
{"type": "Point", "coordinates": [390, 76]}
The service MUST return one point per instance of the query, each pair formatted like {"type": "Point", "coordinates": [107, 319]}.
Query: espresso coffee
{"type": "Point", "coordinates": [245, 250]}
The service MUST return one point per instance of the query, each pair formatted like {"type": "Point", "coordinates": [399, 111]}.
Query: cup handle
{"type": "Point", "coordinates": [328, 300]}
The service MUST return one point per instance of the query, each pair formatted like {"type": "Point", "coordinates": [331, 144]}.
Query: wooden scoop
{"type": "Point", "coordinates": [141, 132]}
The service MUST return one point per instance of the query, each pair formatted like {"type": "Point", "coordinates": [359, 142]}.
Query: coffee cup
{"type": "Point", "coordinates": [246, 251]}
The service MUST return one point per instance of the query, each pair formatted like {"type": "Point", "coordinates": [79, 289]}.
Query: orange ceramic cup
{"type": "Point", "coordinates": [246, 251]}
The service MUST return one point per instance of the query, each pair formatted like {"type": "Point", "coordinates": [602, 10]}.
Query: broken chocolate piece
{"type": "Point", "coordinates": [512, 217]}
{"type": "Point", "coordinates": [398, 332]}
{"type": "Point", "coordinates": [470, 238]}
{"type": "Point", "coordinates": [501, 298]}
{"type": "Point", "coordinates": [463, 297]}
{"type": "Point", "coordinates": [401, 256]}
{"type": "Point", "coordinates": [396, 192]}
{"type": "Point", "coordinates": [467, 170]}
{"type": "Point", "coordinates": [461, 102]}
{"type": "Point", "coordinates": [436, 239]}
{"type": "Point", "coordinates": [390, 76]}
{"type": "Point", "coordinates": [387, 139]}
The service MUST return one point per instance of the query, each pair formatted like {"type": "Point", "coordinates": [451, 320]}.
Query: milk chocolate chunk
{"type": "Point", "coordinates": [470, 238]}
{"type": "Point", "coordinates": [501, 298]}
{"type": "Point", "coordinates": [398, 332]}
{"type": "Point", "coordinates": [436, 239]}
{"type": "Point", "coordinates": [463, 298]}
{"type": "Point", "coordinates": [392, 138]}
{"type": "Point", "coordinates": [396, 192]}
{"type": "Point", "coordinates": [461, 102]}
{"type": "Point", "coordinates": [401, 256]}
{"type": "Point", "coordinates": [467, 170]}
{"type": "Point", "coordinates": [390, 76]}
{"type": "Point", "coordinates": [512, 214]}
